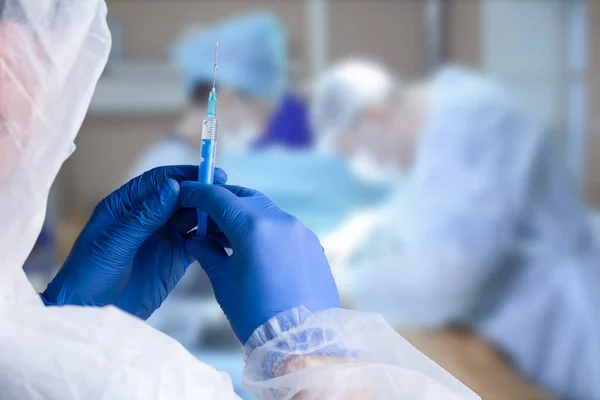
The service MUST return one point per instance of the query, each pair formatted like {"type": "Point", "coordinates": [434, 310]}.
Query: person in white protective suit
{"type": "Point", "coordinates": [490, 231]}
{"type": "Point", "coordinates": [276, 287]}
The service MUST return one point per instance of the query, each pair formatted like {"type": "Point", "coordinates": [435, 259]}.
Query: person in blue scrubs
{"type": "Point", "coordinates": [289, 127]}
{"type": "Point", "coordinates": [257, 109]}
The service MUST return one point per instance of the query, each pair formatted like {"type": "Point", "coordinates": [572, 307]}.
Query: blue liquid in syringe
{"type": "Point", "coordinates": [209, 151]}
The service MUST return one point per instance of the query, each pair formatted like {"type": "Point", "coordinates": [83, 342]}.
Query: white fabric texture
{"type": "Point", "coordinates": [64, 353]}
{"type": "Point", "coordinates": [341, 354]}
{"type": "Point", "coordinates": [52, 55]}
{"type": "Point", "coordinates": [492, 233]}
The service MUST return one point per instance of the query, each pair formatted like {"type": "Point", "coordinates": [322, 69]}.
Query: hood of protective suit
{"type": "Point", "coordinates": [51, 55]}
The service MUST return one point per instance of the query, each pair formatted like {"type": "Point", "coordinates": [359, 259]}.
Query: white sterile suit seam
{"type": "Point", "coordinates": [52, 55]}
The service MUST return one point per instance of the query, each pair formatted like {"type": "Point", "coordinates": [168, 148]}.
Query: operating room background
{"type": "Point", "coordinates": [542, 52]}
{"type": "Point", "coordinates": [542, 49]}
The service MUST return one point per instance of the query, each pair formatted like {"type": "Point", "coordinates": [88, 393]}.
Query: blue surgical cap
{"type": "Point", "coordinates": [252, 55]}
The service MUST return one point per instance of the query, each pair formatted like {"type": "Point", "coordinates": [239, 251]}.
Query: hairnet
{"type": "Point", "coordinates": [52, 53]}
{"type": "Point", "coordinates": [252, 55]}
{"type": "Point", "coordinates": [345, 91]}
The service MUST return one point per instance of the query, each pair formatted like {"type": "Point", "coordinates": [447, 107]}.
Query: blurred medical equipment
{"type": "Point", "coordinates": [490, 232]}
{"type": "Point", "coordinates": [210, 136]}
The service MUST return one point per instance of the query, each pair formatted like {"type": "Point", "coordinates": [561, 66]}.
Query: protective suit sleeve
{"type": "Point", "coordinates": [448, 238]}
{"type": "Point", "coordinates": [341, 354]}
{"type": "Point", "coordinates": [72, 353]}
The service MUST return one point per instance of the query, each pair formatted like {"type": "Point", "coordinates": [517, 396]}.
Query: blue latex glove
{"type": "Point", "coordinates": [131, 253]}
{"type": "Point", "coordinates": [277, 263]}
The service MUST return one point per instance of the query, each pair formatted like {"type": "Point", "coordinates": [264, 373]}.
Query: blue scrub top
{"type": "Point", "coordinates": [289, 126]}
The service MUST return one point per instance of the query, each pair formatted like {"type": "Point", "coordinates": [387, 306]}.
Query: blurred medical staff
{"type": "Point", "coordinates": [251, 78]}
{"type": "Point", "coordinates": [255, 106]}
{"type": "Point", "coordinates": [491, 232]}
{"type": "Point", "coordinates": [289, 126]}
{"type": "Point", "coordinates": [256, 109]}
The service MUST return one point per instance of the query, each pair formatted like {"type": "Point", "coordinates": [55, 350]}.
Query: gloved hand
{"type": "Point", "coordinates": [277, 263]}
{"type": "Point", "coordinates": [131, 253]}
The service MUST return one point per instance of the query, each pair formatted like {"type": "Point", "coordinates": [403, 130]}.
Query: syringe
{"type": "Point", "coordinates": [210, 128]}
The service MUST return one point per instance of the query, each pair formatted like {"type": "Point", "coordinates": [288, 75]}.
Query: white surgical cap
{"type": "Point", "coordinates": [253, 55]}
{"type": "Point", "coordinates": [345, 91]}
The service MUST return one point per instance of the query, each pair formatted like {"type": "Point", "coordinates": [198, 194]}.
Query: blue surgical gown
{"type": "Point", "coordinates": [289, 126]}
{"type": "Point", "coordinates": [492, 233]}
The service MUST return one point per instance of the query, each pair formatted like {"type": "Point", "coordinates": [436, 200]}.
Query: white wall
{"type": "Point", "coordinates": [522, 47]}
{"type": "Point", "coordinates": [535, 47]}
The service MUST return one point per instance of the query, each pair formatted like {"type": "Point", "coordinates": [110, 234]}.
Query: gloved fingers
{"type": "Point", "coordinates": [134, 228]}
{"type": "Point", "coordinates": [184, 220]}
{"type": "Point", "coordinates": [241, 191]}
{"type": "Point", "coordinates": [212, 230]}
{"type": "Point", "coordinates": [220, 204]}
{"type": "Point", "coordinates": [209, 253]}
{"type": "Point", "coordinates": [128, 196]}
{"type": "Point", "coordinates": [131, 194]}
{"type": "Point", "coordinates": [211, 226]}
{"type": "Point", "coordinates": [220, 238]}
{"type": "Point", "coordinates": [220, 177]}
{"type": "Point", "coordinates": [254, 196]}
{"type": "Point", "coordinates": [170, 271]}
{"type": "Point", "coordinates": [180, 173]}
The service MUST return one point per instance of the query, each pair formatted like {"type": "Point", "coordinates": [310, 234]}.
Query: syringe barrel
{"type": "Point", "coordinates": [206, 171]}
{"type": "Point", "coordinates": [210, 128]}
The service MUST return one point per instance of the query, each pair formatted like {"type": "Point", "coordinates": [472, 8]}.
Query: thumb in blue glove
{"type": "Point", "coordinates": [277, 263]}
{"type": "Point", "coordinates": [132, 251]}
